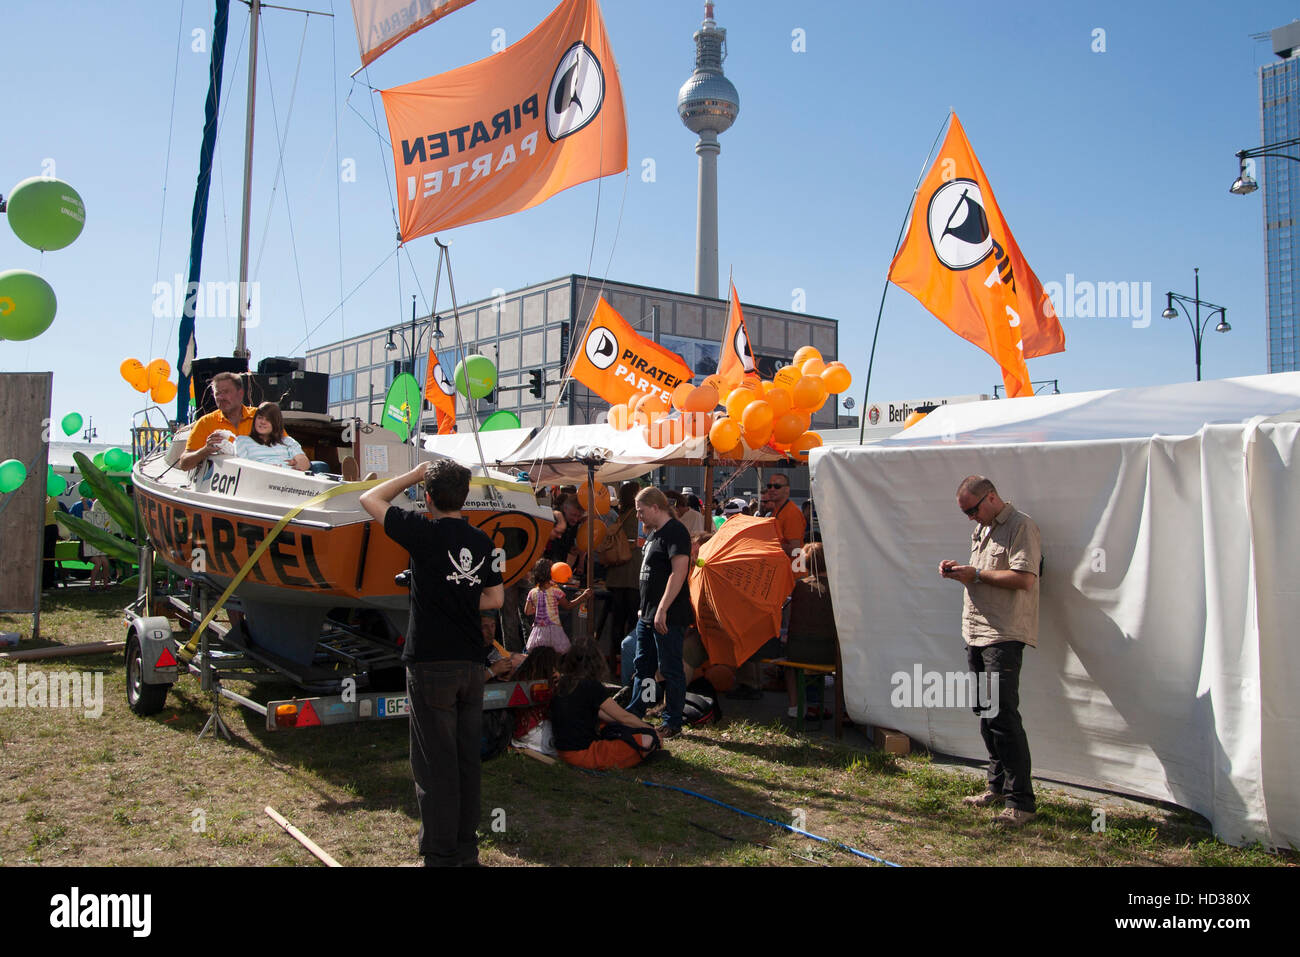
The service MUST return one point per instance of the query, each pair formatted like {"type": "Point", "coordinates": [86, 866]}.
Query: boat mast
{"type": "Point", "coordinates": [241, 348]}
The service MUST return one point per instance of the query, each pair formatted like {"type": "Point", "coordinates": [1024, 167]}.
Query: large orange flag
{"type": "Point", "coordinates": [506, 133]}
{"type": "Point", "coordinates": [616, 363]}
{"type": "Point", "coordinates": [961, 262]}
{"type": "Point", "coordinates": [736, 358]}
{"type": "Point", "coordinates": [441, 394]}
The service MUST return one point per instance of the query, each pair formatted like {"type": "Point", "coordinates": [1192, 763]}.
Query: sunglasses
{"type": "Point", "coordinates": [776, 485]}
{"type": "Point", "coordinates": [970, 512]}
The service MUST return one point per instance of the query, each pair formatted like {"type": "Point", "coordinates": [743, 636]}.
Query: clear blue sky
{"type": "Point", "coordinates": [1111, 166]}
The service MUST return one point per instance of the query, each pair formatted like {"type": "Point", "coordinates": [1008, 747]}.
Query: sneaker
{"type": "Point", "coordinates": [792, 712]}
{"type": "Point", "coordinates": [1014, 817]}
{"type": "Point", "coordinates": [667, 731]}
{"type": "Point", "coordinates": [987, 799]}
{"type": "Point", "coordinates": [744, 693]}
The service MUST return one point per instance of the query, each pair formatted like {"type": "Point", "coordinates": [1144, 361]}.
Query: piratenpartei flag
{"type": "Point", "coordinates": [736, 358]}
{"type": "Point", "coordinates": [961, 262]}
{"type": "Point", "coordinates": [441, 394]}
{"type": "Point", "coordinates": [507, 133]}
{"type": "Point", "coordinates": [614, 362]}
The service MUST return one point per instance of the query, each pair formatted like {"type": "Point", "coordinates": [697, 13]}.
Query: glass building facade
{"type": "Point", "coordinates": [1279, 98]}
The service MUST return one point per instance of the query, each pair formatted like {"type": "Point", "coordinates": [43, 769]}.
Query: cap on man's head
{"type": "Point", "coordinates": [734, 507]}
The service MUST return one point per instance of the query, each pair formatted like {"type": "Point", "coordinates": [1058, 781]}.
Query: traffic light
{"type": "Point", "coordinates": [538, 387]}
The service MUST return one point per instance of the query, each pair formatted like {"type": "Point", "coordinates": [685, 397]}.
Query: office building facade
{"type": "Point", "coordinates": [1279, 98]}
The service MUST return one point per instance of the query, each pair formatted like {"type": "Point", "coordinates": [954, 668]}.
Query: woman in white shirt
{"type": "Point", "coordinates": [269, 444]}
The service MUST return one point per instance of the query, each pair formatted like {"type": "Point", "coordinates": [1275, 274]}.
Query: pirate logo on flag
{"type": "Point", "coordinates": [959, 227]}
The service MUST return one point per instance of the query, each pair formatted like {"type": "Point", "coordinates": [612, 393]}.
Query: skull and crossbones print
{"type": "Point", "coordinates": [461, 572]}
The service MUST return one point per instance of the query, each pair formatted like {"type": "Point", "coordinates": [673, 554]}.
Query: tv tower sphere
{"type": "Point", "coordinates": [708, 104]}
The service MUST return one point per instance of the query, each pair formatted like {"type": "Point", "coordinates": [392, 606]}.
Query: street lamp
{"type": "Point", "coordinates": [1198, 327]}
{"type": "Point", "coordinates": [412, 347]}
{"type": "Point", "coordinates": [1245, 183]}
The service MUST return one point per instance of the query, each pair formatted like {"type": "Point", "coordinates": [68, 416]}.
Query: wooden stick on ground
{"type": "Point", "coordinates": [300, 837]}
{"type": "Point", "coordinates": [65, 651]}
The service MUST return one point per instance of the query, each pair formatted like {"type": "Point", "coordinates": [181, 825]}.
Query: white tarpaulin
{"type": "Point", "coordinates": [553, 456]}
{"type": "Point", "coordinates": [1168, 656]}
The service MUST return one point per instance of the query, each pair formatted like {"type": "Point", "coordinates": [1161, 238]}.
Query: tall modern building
{"type": "Point", "coordinates": [1279, 101]}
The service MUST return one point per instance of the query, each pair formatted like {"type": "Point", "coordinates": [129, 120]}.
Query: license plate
{"type": "Point", "coordinates": [391, 707]}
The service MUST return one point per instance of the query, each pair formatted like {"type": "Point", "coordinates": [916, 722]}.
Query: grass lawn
{"type": "Point", "coordinates": [123, 790]}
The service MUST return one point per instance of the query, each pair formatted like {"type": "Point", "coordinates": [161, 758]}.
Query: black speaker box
{"type": "Point", "coordinates": [201, 373]}
{"type": "Point", "coordinates": [272, 365]}
{"type": "Point", "coordinates": [294, 391]}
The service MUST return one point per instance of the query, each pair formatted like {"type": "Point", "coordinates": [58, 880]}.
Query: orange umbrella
{"type": "Point", "coordinates": [738, 585]}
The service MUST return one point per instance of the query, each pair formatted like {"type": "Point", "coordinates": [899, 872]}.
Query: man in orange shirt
{"type": "Point", "coordinates": [789, 519]}
{"type": "Point", "coordinates": [231, 414]}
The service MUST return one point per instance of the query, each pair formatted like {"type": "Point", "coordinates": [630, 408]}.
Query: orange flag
{"type": "Point", "coordinates": [616, 363]}
{"type": "Point", "coordinates": [441, 394]}
{"type": "Point", "coordinates": [736, 358]}
{"type": "Point", "coordinates": [961, 262]}
{"type": "Point", "coordinates": [506, 133]}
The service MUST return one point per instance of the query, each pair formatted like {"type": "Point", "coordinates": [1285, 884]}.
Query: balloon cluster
{"type": "Point", "coordinates": [154, 378]}
{"type": "Point", "coordinates": [775, 414]}
{"type": "Point", "coordinates": [46, 214]}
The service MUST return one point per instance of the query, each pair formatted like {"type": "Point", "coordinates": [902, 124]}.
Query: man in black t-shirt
{"type": "Point", "coordinates": [455, 574]}
{"type": "Point", "coordinates": [665, 610]}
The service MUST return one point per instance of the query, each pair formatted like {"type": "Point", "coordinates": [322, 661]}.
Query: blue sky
{"type": "Point", "coordinates": [1109, 166]}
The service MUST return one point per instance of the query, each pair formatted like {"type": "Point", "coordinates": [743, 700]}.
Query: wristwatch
{"type": "Point", "coordinates": [977, 577]}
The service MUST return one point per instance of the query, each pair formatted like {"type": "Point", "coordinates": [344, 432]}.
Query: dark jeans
{"type": "Point", "coordinates": [446, 728]}
{"type": "Point", "coordinates": [656, 652]}
{"type": "Point", "coordinates": [1004, 734]}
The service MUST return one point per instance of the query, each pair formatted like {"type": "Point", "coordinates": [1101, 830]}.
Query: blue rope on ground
{"type": "Point", "coordinates": [788, 827]}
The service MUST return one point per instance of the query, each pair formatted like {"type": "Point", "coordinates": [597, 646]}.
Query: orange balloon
{"type": "Point", "coordinates": [789, 427]}
{"type": "Point", "coordinates": [164, 391]}
{"type": "Point", "coordinates": [786, 376]}
{"type": "Point", "coordinates": [757, 438]}
{"type": "Point", "coordinates": [159, 366]}
{"type": "Point", "coordinates": [702, 399]}
{"type": "Point", "coordinates": [598, 532]}
{"type": "Point", "coordinates": [724, 435]}
{"type": "Point", "coordinates": [561, 572]}
{"type": "Point", "coordinates": [737, 401]}
{"type": "Point", "coordinates": [679, 395]}
{"type": "Point", "coordinates": [813, 366]}
{"type": "Point", "coordinates": [837, 377]}
{"type": "Point", "coordinates": [757, 417]}
{"type": "Point", "coordinates": [808, 394]}
{"type": "Point", "coordinates": [803, 354]}
{"type": "Point", "coordinates": [619, 417]}
{"type": "Point", "coordinates": [129, 368]}
{"type": "Point", "coordinates": [599, 502]}
{"type": "Point", "coordinates": [779, 399]}
{"type": "Point", "coordinates": [799, 448]}
{"type": "Point", "coordinates": [696, 424]}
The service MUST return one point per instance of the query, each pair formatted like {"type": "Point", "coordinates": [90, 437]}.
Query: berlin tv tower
{"type": "Point", "coordinates": [708, 104]}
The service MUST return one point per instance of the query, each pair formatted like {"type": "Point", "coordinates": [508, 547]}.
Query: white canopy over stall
{"type": "Point", "coordinates": [1168, 656]}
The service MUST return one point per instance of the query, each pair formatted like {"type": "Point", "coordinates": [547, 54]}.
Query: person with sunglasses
{"type": "Point", "coordinates": [999, 618]}
{"type": "Point", "coordinates": [789, 519]}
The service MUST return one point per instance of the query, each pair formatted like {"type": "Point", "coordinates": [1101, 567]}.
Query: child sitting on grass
{"type": "Point", "coordinates": [583, 714]}
{"type": "Point", "coordinates": [544, 602]}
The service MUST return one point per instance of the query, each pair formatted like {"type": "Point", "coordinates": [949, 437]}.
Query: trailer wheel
{"type": "Point", "coordinates": [143, 699]}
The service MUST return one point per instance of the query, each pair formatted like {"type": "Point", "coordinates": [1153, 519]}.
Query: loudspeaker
{"type": "Point", "coordinates": [201, 373]}
{"type": "Point", "coordinates": [293, 391]}
{"type": "Point", "coordinates": [272, 365]}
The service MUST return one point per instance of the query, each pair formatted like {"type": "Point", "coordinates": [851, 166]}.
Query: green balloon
{"type": "Point", "coordinates": [85, 491]}
{"type": "Point", "coordinates": [482, 376]}
{"type": "Point", "coordinates": [505, 419]}
{"type": "Point", "coordinates": [55, 484]}
{"type": "Point", "coordinates": [117, 460]}
{"type": "Point", "coordinates": [27, 304]}
{"type": "Point", "coordinates": [46, 213]}
{"type": "Point", "coordinates": [12, 474]}
{"type": "Point", "coordinates": [71, 423]}
{"type": "Point", "coordinates": [98, 461]}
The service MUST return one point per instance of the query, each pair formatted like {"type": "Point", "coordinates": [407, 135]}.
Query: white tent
{"type": "Point", "coordinates": [1168, 652]}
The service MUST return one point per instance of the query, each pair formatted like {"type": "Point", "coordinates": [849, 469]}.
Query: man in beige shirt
{"type": "Point", "coordinates": [1000, 617]}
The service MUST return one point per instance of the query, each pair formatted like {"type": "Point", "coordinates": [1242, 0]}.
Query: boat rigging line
{"type": "Point", "coordinates": [167, 162]}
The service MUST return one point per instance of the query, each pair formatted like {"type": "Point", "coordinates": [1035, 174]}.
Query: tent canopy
{"type": "Point", "coordinates": [1166, 660]}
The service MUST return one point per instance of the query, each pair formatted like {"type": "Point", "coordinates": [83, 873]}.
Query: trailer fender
{"type": "Point", "coordinates": [157, 650]}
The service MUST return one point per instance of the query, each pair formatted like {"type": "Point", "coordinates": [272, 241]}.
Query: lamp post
{"type": "Point", "coordinates": [1198, 327]}
{"type": "Point", "coordinates": [1245, 183]}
